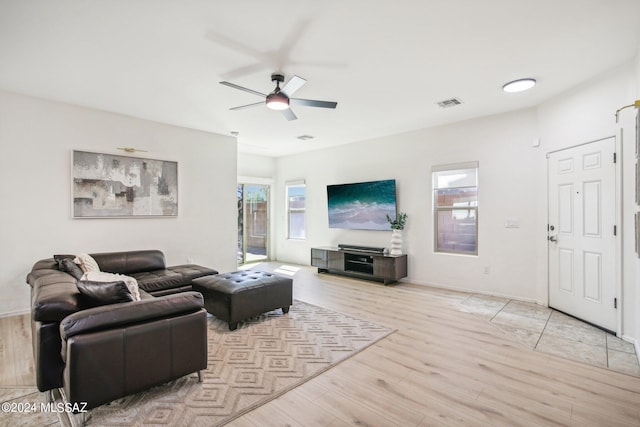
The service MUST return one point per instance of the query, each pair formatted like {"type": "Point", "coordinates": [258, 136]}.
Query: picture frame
{"type": "Point", "coordinates": [638, 157]}
{"type": "Point", "coordinates": [637, 133]}
{"type": "Point", "coordinates": [637, 233]}
{"type": "Point", "coordinates": [637, 169]}
{"type": "Point", "coordinates": [117, 186]}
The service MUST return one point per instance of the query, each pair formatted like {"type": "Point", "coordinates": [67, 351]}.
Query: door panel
{"type": "Point", "coordinates": [591, 209]}
{"type": "Point", "coordinates": [592, 276]}
{"type": "Point", "coordinates": [581, 240]}
{"type": "Point", "coordinates": [565, 206]}
{"type": "Point", "coordinates": [566, 270]}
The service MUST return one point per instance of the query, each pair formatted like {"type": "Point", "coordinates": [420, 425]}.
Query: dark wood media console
{"type": "Point", "coordinates": [360, 263]}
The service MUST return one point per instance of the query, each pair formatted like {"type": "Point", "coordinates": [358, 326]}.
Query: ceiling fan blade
{"type": "Point", "coordinates": [312, 103]}
{"type": "Point", "coordinates": [242, 107]}
{"type": "Point", "coordinates": [293, 85]}
{"type": "Point", "coordinates": [244, 89]}
{"type": "Point", "coordinates": [288, 114]}
{"type": "Point", "coordinates": [243, 71]}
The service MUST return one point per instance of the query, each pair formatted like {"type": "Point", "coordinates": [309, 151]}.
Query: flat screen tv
{"type": "Point", "coordinates": [362, 205]}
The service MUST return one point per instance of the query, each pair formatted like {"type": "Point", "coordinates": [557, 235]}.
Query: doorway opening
{"type": "Point", "coordinates": [253, 223]}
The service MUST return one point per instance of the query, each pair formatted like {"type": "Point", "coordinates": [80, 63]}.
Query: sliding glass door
{"type": "Point", "coordinates": [253, 222]}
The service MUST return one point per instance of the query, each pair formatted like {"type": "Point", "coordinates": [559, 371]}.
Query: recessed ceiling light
{"type": "Point", "coordinates": [519, 85]}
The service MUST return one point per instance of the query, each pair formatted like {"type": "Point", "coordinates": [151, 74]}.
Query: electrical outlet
{"type": "Point", "coordinates": [487, 269]}
{"type": "Point", "coordinates": [512, 223]}
{"type": "Point", "coordinates": [189, 260]}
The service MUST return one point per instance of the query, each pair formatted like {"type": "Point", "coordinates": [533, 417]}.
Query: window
{"type": "Point", "coordinates": [455, 201]}
{"type": "Point", "coordinates": [296, 210]}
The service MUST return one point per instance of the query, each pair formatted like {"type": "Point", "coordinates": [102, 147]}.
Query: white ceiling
{"type": "Point", "coordinates": [386, 63]}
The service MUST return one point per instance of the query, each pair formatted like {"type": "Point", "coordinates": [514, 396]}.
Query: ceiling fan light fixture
{"type": "Point", "coordinates": [277, 101]}
{"type": "Point", "coordinates": [519, 85]}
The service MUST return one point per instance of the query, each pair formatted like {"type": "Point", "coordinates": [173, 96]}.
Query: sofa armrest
{"type": "Point", "coordinates": [134, 357]}
{"type": "Point", "coordinates": [117, 315]}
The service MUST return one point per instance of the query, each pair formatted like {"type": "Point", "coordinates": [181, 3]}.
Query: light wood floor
{"type": "Point", "coordinates": [441, 367]}
{"type": "Point", "coordinates": [17, 368]}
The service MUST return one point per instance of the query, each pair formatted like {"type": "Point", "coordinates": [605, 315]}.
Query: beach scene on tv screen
{"type": "Point", "coordinates": [362, 205]}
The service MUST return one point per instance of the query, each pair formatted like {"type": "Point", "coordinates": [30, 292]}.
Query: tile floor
{"type": "Point", "coordinates": [550, 331]}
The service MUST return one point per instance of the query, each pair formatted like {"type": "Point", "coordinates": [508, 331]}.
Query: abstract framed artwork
{"type": "Point", "coordinates": [637, 182]}
{"type": "Point", "coordinates": [638, 158]}
{"type": "Point", "coordinates": [114, 186]}
{"type": "Point", "coordinates": [637, 133]}
{"type": "Point", "coordinates": [637, 233]}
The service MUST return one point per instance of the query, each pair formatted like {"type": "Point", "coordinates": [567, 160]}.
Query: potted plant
{"type": "Point", "coordinates": [397, 225]}
{"type": "Point", "coordinates": [399, 222]}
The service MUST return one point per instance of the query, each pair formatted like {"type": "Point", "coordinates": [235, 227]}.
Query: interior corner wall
{"type": "Point", "coordinates": [636, 332]}
{"type": "Point", "coordinates": [37, 138]}
{"type": "Point", "coordinates": [507, 165]}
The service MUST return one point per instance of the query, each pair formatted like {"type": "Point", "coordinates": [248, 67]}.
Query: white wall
{"type": "Point", "coordinates": [635, 334]}
{"type": "Point", "coordinates": [37, 138]}
{"type": "Point", "coordinates": [252, 165]}
{"type": "Point", "coordinates": [501, 144]}
{"type": "Point", "coordinates": [512, 186]}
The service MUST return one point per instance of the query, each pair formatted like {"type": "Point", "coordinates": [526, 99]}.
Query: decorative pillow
{"type": "Point", "coordinates": [102, 276]}
{"type": "Point", "coordinates": [68, 266]}
{"type": "Point", "coordinates": [86, 263]}
{"type": "Point", "coordinates": [60, 257]}
{"type": "Point", "coordinates": [103, 293]}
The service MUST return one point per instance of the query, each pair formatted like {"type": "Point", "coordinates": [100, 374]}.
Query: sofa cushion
{"type": "Point", "coordinates": [42, 268]}
{"type": "Point", "coordinates": [104, 293]}
{"type": "Point", "coordinates": [130, 262]}
{"type": "Point", "coordinates": [192, 271]}
{"type": "Point", "coordinates": [54, 295]}
{"type": "Point", "coordinates": [158, 280]}
{"type": "Point", "coordinates": [68, 266]}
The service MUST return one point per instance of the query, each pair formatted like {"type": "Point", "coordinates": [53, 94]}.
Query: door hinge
{"type": "Point", "coordinates": [615, 303]}
{"type": "Point", "coordinates": [615, 157]}
{"type": "Point", "coordinates": [615, 230]}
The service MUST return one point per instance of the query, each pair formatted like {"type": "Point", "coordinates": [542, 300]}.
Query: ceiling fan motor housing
{"type": "Point", "coordinates": [277, 100]}
{"type": "Point", "coordinates": [277, 77]}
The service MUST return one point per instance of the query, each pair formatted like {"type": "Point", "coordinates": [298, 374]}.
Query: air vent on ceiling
{"type": "Point", "coordinates": [451, 102]}
{"type": "Point", "coordinates": [305, 137]}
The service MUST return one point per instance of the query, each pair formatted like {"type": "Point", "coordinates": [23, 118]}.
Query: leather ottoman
{"type": "Point", "coordinates": [237, 296]}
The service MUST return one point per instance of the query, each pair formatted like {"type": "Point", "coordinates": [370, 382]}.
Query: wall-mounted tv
{"type": "Point", "coordinates": [362, 205]}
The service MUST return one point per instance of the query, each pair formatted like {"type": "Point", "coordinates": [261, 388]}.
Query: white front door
{"type": "Point", "coordinates": [582, 212]}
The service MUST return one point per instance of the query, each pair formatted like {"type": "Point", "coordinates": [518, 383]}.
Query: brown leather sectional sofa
{"type": "Point", "coordinates": [100, 353]}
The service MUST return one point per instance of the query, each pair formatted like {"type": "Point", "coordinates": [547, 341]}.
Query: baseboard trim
{"type": "Point", "coordinates": [15, 313]}
{"type": "Point", "coordinates": [635, 342]}
{"type": "Point", "coordinates": [474, 291]}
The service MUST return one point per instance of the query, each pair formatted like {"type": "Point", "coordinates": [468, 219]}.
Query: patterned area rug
{"type": "Point", "coordinates": [264, 358]}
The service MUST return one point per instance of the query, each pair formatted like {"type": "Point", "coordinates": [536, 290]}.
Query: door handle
{"type": "Point", "coordinates": [553, 239]}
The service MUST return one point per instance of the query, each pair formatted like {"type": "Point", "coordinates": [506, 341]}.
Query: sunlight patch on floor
{"type": "Point", "coordinates": [287, 270]}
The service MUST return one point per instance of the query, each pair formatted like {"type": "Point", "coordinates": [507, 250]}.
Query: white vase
{"type": "Point", "coordinates": [396, 242]}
